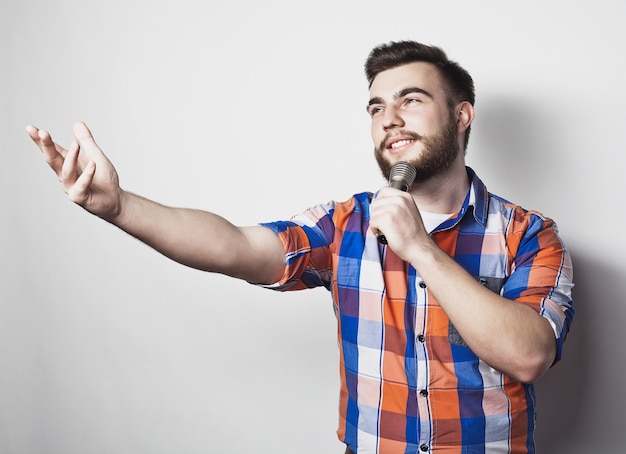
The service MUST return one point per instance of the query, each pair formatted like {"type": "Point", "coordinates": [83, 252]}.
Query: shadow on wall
{"type": "Point", "coordinates": [561, 391]}
{"type": "Point", "coordinates": [581, 400]}
{"type": "Point", "coordinates": [519, 153]}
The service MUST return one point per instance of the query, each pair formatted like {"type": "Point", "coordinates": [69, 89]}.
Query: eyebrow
{"type": "Point", "coordinates": [400, 94]}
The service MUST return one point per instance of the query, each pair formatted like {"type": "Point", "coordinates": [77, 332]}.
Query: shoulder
{"type": "Point", "coordinates": [519, 218]}
{"type": "Point", "coordinates": [357, 203]}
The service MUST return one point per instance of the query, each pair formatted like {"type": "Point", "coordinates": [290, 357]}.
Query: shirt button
{"type": "Point", "coordinates": [422, 284]}
{"type": "Point", "coordinates": [423, 393]}
{"type": "Point", "coordinates": [423, 447]}
{"type": "Point", "coordinates": [421, 337]}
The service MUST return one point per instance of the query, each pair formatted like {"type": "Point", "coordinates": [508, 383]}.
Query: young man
{"type": "Point", "coordinates": [443, 329]}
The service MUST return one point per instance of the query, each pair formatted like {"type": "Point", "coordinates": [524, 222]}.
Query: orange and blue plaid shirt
{"type": "Point", "coordinates": [409, 383]}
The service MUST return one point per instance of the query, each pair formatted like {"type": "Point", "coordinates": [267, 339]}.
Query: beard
{"type": "Point", "coordinates": [438, 154]}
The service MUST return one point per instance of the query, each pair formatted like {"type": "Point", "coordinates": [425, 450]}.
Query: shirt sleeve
{"type": "Point", "coordinates": [307, 240]}
{"type": "Point", "coordinates": [543, 276]}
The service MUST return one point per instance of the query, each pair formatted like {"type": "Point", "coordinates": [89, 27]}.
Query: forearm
{"type": "Point", "coordinates": [509, 336]}
{"type": "Point", "coordinates": [202, 240]}
{"type": "Point", "coordinates": [192, 237]}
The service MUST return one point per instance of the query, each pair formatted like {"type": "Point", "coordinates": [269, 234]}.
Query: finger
{"type": "Point", "coordinates": [79, 192]}
{"type": "Point", "coordinates": [35, 135]}
{"type": "Point", "coordinates": [69, 170]}
{"type": "Point", "coordinates": [50, 150]}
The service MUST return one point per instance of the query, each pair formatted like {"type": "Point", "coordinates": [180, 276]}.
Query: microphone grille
{"type": "Point", "coordinates": [402, 175]}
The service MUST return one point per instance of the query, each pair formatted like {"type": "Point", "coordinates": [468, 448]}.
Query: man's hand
{"type": "Point", "coordinates": [395, 214]}
{"type": "Point", "coordinates": [86, 174]}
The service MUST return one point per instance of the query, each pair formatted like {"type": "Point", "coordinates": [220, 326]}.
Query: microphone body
{"type": "Point", "coordinates": [401, 177]}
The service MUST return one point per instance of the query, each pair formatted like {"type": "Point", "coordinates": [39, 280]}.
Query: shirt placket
{"type": "Point", "coordinates": [424, 429]}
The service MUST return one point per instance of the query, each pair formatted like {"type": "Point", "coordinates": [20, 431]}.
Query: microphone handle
{"type": "Point", "coordinates": [382, 239]}
{"type": "Point", "coordinates": [401, 176]}
{"type": "Point", "coordinates": [397, 184]}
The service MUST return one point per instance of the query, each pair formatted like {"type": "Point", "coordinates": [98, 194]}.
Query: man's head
{"type": "Point", "coordinates": [419, 98]}
{"type": "Point", "coordinates": [458, 82]}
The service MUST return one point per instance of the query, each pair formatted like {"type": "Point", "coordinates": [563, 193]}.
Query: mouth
{"type": "Point", "coordinates": [400, 143]}
{"type": "Point", "coordinates": [394, 145]}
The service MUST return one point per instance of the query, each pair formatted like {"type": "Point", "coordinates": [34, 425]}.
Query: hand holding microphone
{"type": "Point", "coordinates": [401, 177]}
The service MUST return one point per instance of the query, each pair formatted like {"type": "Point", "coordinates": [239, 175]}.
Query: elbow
{"type": "Point", "coordinates": [535, 355]}
{"type": "Point", "coordinates": [529, 374]}
{"type": "Point", "coordinates": [529, 368]}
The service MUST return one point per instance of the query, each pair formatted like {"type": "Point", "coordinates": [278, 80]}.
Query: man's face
{"type": "Point", "coordinates": [411, 120]}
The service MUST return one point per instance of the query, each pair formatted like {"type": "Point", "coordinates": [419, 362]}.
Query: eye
{"type": "Point", "coordinates": [413, 100]}
{"type": "Point", "coordinates": [375, 110]}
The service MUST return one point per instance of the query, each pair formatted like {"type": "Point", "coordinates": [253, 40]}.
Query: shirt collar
{"type": "Point", "coordinates": [477, 199]}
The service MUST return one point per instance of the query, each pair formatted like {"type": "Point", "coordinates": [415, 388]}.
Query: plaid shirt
{"type": "Point", "coordinates": [409, 383]}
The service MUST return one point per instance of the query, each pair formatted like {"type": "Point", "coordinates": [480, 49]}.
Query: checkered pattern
{"type": "Point", "coordinates": [409, 383]}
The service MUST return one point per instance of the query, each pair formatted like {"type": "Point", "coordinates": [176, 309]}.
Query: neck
{"type": "Point", "coordinates": [443, 193]}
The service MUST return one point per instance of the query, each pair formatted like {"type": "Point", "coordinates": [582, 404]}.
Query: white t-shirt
{"type": "Point", "coordinates": [432, 220]}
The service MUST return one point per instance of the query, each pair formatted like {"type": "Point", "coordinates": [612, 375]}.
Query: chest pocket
{"type": "Point", "coordinates": [494, 284]}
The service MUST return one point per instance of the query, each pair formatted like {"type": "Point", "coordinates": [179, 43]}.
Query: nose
{"type": "Point", "coordinates": [392, 118]}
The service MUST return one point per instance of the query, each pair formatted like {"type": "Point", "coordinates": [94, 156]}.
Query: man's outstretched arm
{"type": "Point", "coordinates": [195, 238]}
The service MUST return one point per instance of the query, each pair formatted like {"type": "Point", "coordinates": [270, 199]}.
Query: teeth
{"type": "Point", "coordinates": [401, 143]}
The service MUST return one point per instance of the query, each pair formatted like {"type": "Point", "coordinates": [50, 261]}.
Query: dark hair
{"type": "Point", "coordinates": [459, 83]}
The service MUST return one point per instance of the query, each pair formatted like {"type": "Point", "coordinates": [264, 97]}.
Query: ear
{"type": "Point", "coordinates": [465, 115]}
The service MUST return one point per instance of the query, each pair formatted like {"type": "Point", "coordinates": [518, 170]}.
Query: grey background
{"type": "Point", "coordinates": [255, 110]}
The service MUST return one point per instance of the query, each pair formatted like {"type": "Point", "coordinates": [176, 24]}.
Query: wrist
{"type": "Point", "coordinates": [424, 254]}
{"type": "Point", "coordinates": [118, 212]}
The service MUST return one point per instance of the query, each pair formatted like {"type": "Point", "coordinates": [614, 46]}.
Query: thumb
{"type": "Point", "coordinates": [85, 139]}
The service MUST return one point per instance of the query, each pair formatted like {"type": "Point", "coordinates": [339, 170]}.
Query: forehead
{"type": "Point", "coordinates": [417, 74]}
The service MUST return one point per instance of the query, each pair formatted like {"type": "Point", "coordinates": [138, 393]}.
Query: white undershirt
{"type": "Point", "coordinates": [432, 220]}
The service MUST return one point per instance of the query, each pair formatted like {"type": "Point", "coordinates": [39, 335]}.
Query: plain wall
{"type": "Point", "coordinates": [255, 110]}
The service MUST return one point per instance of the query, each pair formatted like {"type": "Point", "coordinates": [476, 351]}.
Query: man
{"type": "Point", "coordinates": [443, 329]}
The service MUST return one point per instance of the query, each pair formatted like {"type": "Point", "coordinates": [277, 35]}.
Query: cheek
{"type": "Point", "coordinates": [426, 116]}
{"type": "Point", "coordinates": [419, 120]}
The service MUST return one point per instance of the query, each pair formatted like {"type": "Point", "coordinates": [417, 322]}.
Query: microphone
{"type": "Point", "coordinates": [401, 177]}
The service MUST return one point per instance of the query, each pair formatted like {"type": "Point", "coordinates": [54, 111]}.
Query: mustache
{"type": "Point", "coordinates": [401, 132]}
